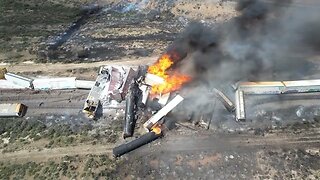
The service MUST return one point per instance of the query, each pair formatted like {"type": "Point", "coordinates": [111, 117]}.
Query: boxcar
{"type": "Point", "coordinates": [12, 110]}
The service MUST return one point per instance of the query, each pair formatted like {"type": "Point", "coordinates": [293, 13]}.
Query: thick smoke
{"type": "Point", "coordinates": [269, 40]}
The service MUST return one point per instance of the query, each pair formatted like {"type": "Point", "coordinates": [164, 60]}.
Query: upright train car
{"type": "Point", "coordinates": [12, 110]}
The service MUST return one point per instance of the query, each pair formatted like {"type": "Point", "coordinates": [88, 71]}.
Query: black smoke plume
{"type": "Point", "coordinates": [269, 40]}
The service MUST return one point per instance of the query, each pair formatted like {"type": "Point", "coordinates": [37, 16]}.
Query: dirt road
{"type": "Point", "coordinates": [84, 71]}
{"type": "Point", "coordinates": [199, 142]}
{"type": "Point", "coordinates": [61, 67]}
{"type": "Point", "coordinates": [46, 154]}
{"type": "Point", "coordinates": [208, 141]}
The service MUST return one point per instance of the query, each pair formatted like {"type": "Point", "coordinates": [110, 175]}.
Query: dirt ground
{"type": "Point", "coordinates": [277, 155]}
{"type": "Point", "coordinates": [85, 71]}
{"type": "Point", "coordinates": [280, 145]}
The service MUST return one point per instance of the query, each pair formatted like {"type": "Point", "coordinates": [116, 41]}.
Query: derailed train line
{"type": "Point", "coordinates": [129, 88]}
{"type": "Point", "coordinates": [136, 96]}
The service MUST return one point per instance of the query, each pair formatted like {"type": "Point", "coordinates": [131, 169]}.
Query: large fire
{"type": "Point", "coordinates": [172, 80]}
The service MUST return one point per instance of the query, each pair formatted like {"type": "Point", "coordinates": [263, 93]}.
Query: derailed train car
{"type": "Point", "coordinates": [13, 110]}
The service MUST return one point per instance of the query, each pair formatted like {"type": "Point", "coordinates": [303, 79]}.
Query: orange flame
{"type": "Point", "coordinates": [172, 80]}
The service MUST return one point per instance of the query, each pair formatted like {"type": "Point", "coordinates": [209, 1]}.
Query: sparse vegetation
{"type": "Point", "coordinates": [24, 23]}
{"type": "Point", "coordinates": [16, 129]}
{"type": "Point", "coordinates": [19, 132]}
{"type": "Point", "coordinates": [30, 18]}
{"type": "Point", "coordinates": [69, 167]}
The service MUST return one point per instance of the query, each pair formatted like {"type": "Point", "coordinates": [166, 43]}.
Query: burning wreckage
{"type": "Point", "coordinates": [149, 93]}
{"type": "Point", "coordinates": [136, 89]}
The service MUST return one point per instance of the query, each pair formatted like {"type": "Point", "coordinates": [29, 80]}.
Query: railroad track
{"type": "Point", "coordinates": [45, 95]}
{"type": "Point", "coordinates": [44, 102]}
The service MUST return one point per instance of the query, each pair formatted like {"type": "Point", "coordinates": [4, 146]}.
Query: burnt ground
{"type": "Point", "coordinates": [87, 31]}
{"type": "Point", "coordinates": [114, 32]}
{"type": "Point", "coordinates": [277, 155]}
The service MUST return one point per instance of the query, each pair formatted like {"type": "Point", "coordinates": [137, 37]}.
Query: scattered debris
{"type": "Point", "coordinates": [227, 103]}
{"type": "Point", "coordinates": [145, 93]}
